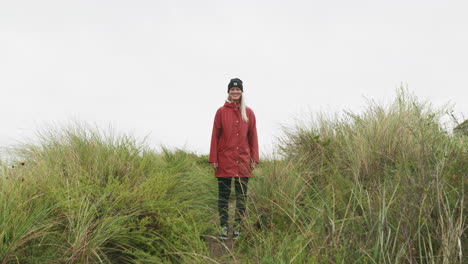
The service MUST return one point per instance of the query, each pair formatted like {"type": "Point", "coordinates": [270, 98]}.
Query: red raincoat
{"type": "Point", "coordinates": [234, 143]}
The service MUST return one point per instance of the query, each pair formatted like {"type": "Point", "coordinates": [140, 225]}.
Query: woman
{"type": "Point", "coordinates": [233, 153]}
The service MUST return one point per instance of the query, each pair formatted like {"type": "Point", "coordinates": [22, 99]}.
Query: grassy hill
{"type": "Point", "coordinates": [384, 186]}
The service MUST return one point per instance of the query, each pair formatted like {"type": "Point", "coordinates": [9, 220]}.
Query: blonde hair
{"type": "Point", "coordinates": [243, 108]}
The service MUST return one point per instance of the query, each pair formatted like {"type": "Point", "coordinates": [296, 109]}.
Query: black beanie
{"type": "Point", "coordinates": [236, 82]}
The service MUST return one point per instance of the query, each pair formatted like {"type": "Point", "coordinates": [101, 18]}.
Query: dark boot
{"type": "Point", "coordinates": [224, 233]}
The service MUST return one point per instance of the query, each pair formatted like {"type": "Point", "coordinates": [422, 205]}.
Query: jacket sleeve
{"type": "Point", "coordinates": [253, 140]}
{"type": "Point", "coordinates": [215, 135]}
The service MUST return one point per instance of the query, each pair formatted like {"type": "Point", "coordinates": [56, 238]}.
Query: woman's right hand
{"type": "Point", "coordinates": [214, 165]}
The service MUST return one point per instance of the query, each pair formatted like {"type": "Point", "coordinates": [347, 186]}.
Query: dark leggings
{"type": "Point", "coordinates": [224, 187]}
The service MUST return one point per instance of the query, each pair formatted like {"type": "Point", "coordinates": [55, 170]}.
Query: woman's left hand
{"type": "Point", "coordinates": [253, 165]}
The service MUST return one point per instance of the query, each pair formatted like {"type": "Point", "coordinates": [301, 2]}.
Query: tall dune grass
{"type": "Point", "coordinates": [85, 196]}
{"type": "Point", "coordinates": [384, 186]}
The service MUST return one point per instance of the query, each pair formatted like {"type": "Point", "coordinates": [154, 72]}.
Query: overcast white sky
{"type": "Point", "coordinates": [161, 68]}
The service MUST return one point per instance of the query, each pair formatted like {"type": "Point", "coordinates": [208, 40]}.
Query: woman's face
{"type": "Point", "coordinates": [235, 93]}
